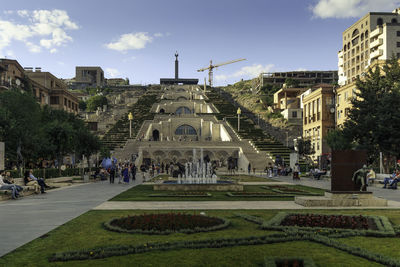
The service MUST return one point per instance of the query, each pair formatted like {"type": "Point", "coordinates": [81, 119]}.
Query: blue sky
{"type": "Point", "coordinates": [138, 39]}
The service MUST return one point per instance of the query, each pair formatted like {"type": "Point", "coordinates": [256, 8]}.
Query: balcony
{"type": "Point", "coordinates": [376, 43]}
{"type": "Point", "coordinates": [377, 53]}
{"type": "Point", "coordinates": [378, 31]}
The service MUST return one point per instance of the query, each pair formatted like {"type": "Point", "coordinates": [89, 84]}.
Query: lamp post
{"type": "Point", "coordinates": [130, 118]}
{"type": "Point", "coordinates": [239, 111]}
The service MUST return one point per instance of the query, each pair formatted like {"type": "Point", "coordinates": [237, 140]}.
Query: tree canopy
{"type": "Point", "coordinates": [374, 120]}
{"type": "Point", "coordinates": [31, 132]}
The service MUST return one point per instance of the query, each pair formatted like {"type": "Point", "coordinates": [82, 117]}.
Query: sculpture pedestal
{"type": "Point", "coordinates": [342, 199]}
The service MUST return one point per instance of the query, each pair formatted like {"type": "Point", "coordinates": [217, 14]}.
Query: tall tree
{"type": "Point", "coordinates": [374, 120]}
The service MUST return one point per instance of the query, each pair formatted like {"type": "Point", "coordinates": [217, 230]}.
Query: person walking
{"type": "Point", "coordinates": [133, 172]}
{"type": "Point", "coordinates": [112, 173]}
{"type": "Point", "coordinates": [249, 168]}
{"type": "Point", "coordinates": [125, 174]}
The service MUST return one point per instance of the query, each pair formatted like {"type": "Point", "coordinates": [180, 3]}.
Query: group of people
{"type": "Point", "coordinates": [391, 182]}
{"type": "Point", "coordinates": [7, 183]}
{"type": "Point", "coordinates": [124, 172]}
{"type": "Point", "coordinates": [277, 170]}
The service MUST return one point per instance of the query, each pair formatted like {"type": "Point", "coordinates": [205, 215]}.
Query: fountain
{"type": "Point", "coordinates": [198, 171]}
{"type": "Point", "coordinates": [198, 176]}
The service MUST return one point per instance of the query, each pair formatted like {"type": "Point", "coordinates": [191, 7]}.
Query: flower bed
{"type": "Point", "coordinates": [166, 223]}
{"type": "Point", "coordinates": [288, 262]}
{"type": "Point", "coordinates": [331, 221]}
{"type": "Point", "coordinates": [331, 224]}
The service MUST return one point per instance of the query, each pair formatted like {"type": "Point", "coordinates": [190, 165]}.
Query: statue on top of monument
{"type": "Point", "coordinates": [360, 177]}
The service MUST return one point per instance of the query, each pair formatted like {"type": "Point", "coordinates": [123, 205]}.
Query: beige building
{"type": "Point", "coordinates": [376, 36]}
{"type": "Point", "coordinates": [287, 101]}
{"type": "Point", "coordinates": [89, 77]}
{"type": "Point", "coordinates": [318, 117]}
{"type": "Point", "coordinates": [60, 97]}
{"type": "Point", "coordinates": [11, 73]}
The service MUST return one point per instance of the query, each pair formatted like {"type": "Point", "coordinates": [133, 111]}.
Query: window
{"type": "Point", "coordinates": [183, 110]}
{"type": "Point", "coordinates": [345, 96]}
{"type": "Point", "coordinates": [398, 44]}
{"type": "Point", "coordinates": [185, 130]}
{"type": "Point", "coordinates": [338, 114]}
{"type": "Point", "coordinates": [394, 20]}
{"type": "Point", "coordinates": [54, 100]}
{"type": "Point", "coordinates": [398, 33]}
{"type": "Point", "coordinates": [294, 114]}
{"type": "Point", "coordinates": [398, 55]}
{"type": "Point", "coordinates": [65, 102]}
{"type": "Point", "coordinates": [379, 21]}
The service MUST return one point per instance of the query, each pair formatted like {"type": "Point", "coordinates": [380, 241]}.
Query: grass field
{"type": "Point", "coordinates": [86, 232]}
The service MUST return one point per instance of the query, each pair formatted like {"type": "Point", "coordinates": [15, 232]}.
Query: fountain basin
{"type": "Point", "coordinates": [220, 186]}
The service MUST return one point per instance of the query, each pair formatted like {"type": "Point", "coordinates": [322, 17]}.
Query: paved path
{"type": "Point", "coordinates": [220, 205]}
{"type": "Point", "coordinates": [25, 219]}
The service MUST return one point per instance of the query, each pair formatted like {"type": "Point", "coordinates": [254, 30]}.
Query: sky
{"type": "Point", "coordinates": [138, 39]}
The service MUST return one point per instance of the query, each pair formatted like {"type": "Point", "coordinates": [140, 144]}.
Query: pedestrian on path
{"type": "Point", "coordinates": [125, 173]}
{"type": "Point", "coordinates": [249, 168]}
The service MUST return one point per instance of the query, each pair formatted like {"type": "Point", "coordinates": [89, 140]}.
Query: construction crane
{"type": "Point", "coordinates": [211, 67]}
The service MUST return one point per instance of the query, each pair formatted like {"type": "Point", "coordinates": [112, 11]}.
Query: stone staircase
{"type": "Point", "coordinates": [118, 135]}
{"type": "Point", "coordinates": [261, 141]}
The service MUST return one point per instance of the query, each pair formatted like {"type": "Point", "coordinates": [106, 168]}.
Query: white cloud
{"type": "Point", "coordinates": [33, 48]}
{"type": "Point", "coordinates": [158, 34]}
{"type": "Point", "coordinates": [53, 50]}
{"type": "Point", "coordinates": [131, 41]}
{"type": "Point", "coordinates": [129, 59]}
{"type": "Point", "coordinates": [112, 72]}
{"type": "Point", "coordinates": [246, 72]}
{"type": "Point", "coordinates": [351, 8]}
{"type": "Point", "coordinates": [49, 25]}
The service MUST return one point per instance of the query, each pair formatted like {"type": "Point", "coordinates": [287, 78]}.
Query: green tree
{"type": "Point", "coordinates": [19, 125]}
{"type": "Point", "coordinates": [291, 83]}
{"type": "Point", "coordinates": [82, 105]}
{"type": "Point", "coordinates": [304, 147]}
{"type": "Point", "coordinates": [96, 101]}
{"type": "Point", "coordinates": [374, 120]}
{"type": "Point", "coordinates": [337, 140]}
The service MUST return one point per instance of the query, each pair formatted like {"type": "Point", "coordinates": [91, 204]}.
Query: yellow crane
{"type": "Point", "coordinates": [211, 67]}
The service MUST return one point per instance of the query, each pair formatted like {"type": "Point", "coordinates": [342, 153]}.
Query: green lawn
{"type": "Point", "coordinates": [144, 192]}
{"type": "Point", "coordinates": [86, 232]}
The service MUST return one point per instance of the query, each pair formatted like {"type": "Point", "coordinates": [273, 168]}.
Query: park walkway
{"type": "Point", "coordinates": [26, 219]}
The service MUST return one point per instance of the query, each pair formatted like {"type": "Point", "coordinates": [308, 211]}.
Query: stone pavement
{"type": "Point", "coordinates": [28, 218]}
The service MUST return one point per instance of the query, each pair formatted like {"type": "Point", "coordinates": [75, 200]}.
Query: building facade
{"type": "Point", "coordinates": [86, 76]}
{"type": "Point", "coordinates": [376, 36]}
{"type": "Point", "coordinates": [318, 117]}
{"type": "Point", "coordinates": [11, 73]}
{"type": "Point", "coordinates": [47, 86]}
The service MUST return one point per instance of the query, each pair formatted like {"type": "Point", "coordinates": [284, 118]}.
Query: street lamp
{"type": "Point", "coordinates": [130, 118]}
{"type": "Point", "coordinates": [239, 111]}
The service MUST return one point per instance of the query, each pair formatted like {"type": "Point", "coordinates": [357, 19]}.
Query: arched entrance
{"type": "Point", "coordinates": [162, 111]}
{"type": "Point", "coordinates": [156, 135]}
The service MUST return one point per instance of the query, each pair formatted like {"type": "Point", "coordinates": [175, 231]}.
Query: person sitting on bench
{"type": "Point", "coordinates": [12, 187]}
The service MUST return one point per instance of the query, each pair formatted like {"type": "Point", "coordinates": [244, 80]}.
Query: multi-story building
{"type": "Point", "coordinates": [303, 78]}
{"type": "Point", "coordinates": [318, 117]}
{"type": "Point", "coordinates": [88, 77]}
{"type": "Point", "coordinates": [11, 73]}
{"type": "Point", "coordinates": [287, 101]}
{"type": "Point", "coordinates": [376, 36]}
{"type": "Point", "coordinates": [60, 97]}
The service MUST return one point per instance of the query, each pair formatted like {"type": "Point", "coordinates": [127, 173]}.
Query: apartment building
{"type": "Point", "coordinates": [11, 73]}
{"type": "Point", "coordinates": [287, 101]}
{"type": "Point", "coordinates": [318, 117]}
{"type": "Point", "coordinates": [86, 76]}
{"type": "Point", "coordinates": [376, 36]}
{"type": "Point", "coordinates": [58, 95]}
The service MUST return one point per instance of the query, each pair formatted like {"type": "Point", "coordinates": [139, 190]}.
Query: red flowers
{"type": "Point", "coordinates": [166, 221]}
{"type": "Point", "coordinates": [330, 221]}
